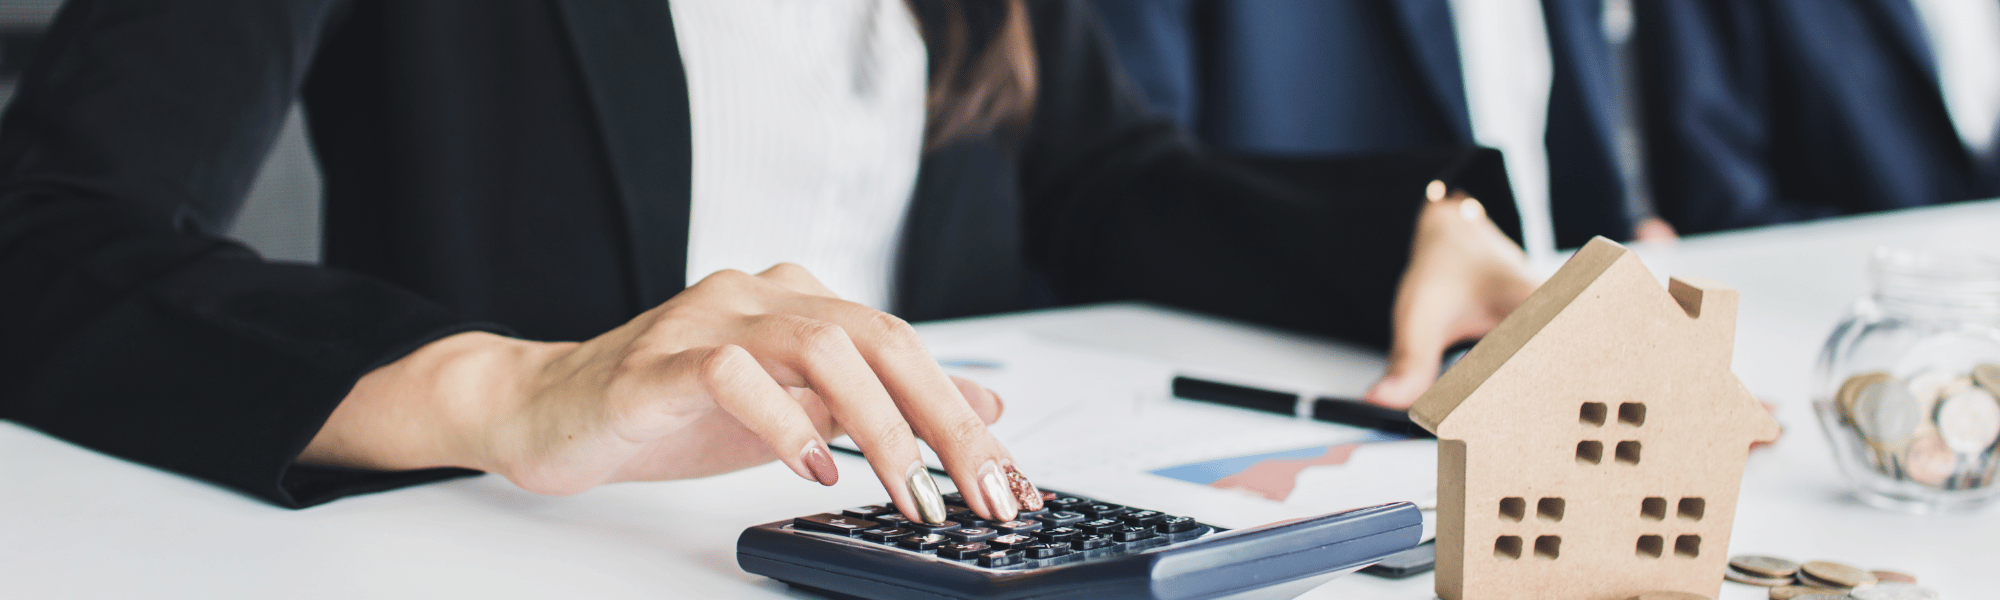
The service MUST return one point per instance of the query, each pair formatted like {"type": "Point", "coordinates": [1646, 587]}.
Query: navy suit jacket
{"type": "Point", "coordinates": [1782, 110]}
{"type": "Point", "coordinates": [1316, 78]}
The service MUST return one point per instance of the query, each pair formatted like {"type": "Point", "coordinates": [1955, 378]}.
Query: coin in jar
{"type": "Point", "coordinates": [1850, 390]}
{"type": "Point", "coordinates": [1929, 385]}
{"type": "Point", "coordinates": [1887, 414]}
{"type": "Point", "coordinates": [1764, 566]}
{"type": "Point", "coordinates": [1987, 376]}
{"type": "Point", "coordinates": [1969, 420]}
{"type": "Point", "coordinates": [1836, 574]}
{"type": "Point", "coordinates": [1894, 591]}
{"type": "Point", "coordinates": [1930, 462]}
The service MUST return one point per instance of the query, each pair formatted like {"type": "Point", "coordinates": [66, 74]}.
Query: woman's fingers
{"type": "Point", "coordinates": [742, 388]}
{"type": "Point", "coordinates": [797, 279]}
{"type": "Point", "coordinates": [983, 401]}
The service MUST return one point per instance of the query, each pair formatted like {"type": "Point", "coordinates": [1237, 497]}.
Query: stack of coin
{"type": "Point", "coordinates": [1823, 580]}
{"type": "Point", "coordinates": [1937, 428]}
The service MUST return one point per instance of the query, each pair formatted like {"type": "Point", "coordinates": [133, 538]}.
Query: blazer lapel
{"type": "Point", "coordinates": [1427, 29]}
{"type": "Point", "coordinates": [632, 70]}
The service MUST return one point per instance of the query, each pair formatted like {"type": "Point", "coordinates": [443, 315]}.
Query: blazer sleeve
{"type": "Point", "coordinates": [1123, 205]}
{"type": "Point", "coordinates": [1710, 143]}
{"type": "Point", "coordinates": [128, 324]}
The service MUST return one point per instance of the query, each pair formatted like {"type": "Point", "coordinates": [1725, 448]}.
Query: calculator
{"type": "Point", "coordinates": [1074, 548]}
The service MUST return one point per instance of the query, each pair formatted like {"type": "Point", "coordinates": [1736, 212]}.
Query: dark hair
{"type": "Point", "coordinates": [983, 77]}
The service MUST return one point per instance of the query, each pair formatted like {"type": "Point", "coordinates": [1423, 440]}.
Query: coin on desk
{"type": "Point", "coordinates": [1764, 566]}
{"type": "Point", "coordinates": [1893, 576]}
{"type": "Point", "coordinates": [1739, 576]}
{"type": "Point", "coordinates": [1794, 592]}
{"type": "Point", "coordinates": [1969, 420]}
{"type": "Point", "coordinates": [1850, 390]}
{"type": "Point", "coordinates": [1669, 596]}
{"type": "Point", "coordinates": [1894, 591]}
{"type": "Point", "coordinates": [1836, 574]}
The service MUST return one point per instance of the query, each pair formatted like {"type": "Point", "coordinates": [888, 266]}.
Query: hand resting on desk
{"type": "Point", "coordinates": [730, 373]}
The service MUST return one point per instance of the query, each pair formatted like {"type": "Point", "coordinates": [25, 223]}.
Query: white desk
{"type": "Point", "coordinates": [75, 524]}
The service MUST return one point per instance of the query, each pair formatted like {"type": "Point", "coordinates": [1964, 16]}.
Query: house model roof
{"type": "Point", "coordinates": [1602, 316]}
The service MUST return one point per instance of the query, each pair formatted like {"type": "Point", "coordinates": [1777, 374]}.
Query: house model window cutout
{"type": "Point", "coordinates": [1591, 446]}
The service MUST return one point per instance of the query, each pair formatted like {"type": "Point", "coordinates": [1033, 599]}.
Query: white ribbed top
{"type": "Point", "coordinates": [1965, 38]}
{"type": "Point", "coordinates": [808, 119]}
{"type": "Point", "coordinates": [1503, 49]}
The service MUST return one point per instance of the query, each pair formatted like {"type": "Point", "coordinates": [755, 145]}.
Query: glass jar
{"type": "Point", "coordinates": [1909, 383]}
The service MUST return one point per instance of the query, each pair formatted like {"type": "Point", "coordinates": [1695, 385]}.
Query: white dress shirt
{"type": "Point", "coordinates": [1503, 49]}
{"type": "Point", "coordinates": [1965, 37]}
{"type": "Point", "coordinates": [808, 121]}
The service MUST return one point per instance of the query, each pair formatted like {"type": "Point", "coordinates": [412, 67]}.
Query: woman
{"type": "Point", "coordinates": [518, 193]}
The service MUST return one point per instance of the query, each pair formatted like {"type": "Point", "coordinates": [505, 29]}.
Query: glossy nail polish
{"type": "Point", "coordinates": [819, 462]}
{"type": "Point", "coordinates": [999, 496]}
{"type": "Point", "coordinates": [923, 490]}
{"type": "Point", "coordinates": [1025, 493]}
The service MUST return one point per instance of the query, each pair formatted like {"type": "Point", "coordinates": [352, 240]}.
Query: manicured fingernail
{"type": "Point", "coordinates": [819, 462]}
{"type": "Point", "coordinates": [1029, 497]}
{"type": "Point", "coordinates": [930, 502]}
{"type": "Point", "coordinates": [1435, 191]}
{"type": "Point", "coordinates": [999, 496]}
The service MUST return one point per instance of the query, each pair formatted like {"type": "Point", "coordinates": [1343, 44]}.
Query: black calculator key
{"type": "Point", "coordinates": [1132, 533]}
{"type": "Point", "coordinates": [832, 523]}
{"type": "Point", "coordinates": [1032, 514]}
{"type": "Point", "coordinates": [867, 512]}
{"type": "Point", "coordinates": [1018, 526]}
{"type": "Point", "coordinates": [922, 527]}
{"type": "Point", "coordinates": [955, 499]}
{"type": "Point", "coordinates": [1062, 518]}
{"type": "Point", "coordinates": [1059, 534]}
{"type": "Point", "coordinates": [1091, 541]}
{"type": "Point", "coordinates": [1012, 540]}
{"type": "Point", "coordinates": [1101, 527]}
{"type": "Point", "coordinates": [923, 542]}
{"type": "Point", "coordinates": [1046, 550]}
{"type": "Point", "coordinates": [891, 519]}
{"type": "Point", "coordinates": [1144, 518]}
{"type": "Point", "coordinates": [1104, 510]}
{"type": "Point", "coordinates": [971, 534]}
{"type": "Point", "coordinates": [1176, 525]}
{"type": "Point", "coordinates": [999, 558]}
{"type": "Point", "coordinates": [1070, 503]}
{"type": "Point", "coordinates": [966, 518]}
{"type": "Point", "coordinates": [963, 551]}
{"type": "Point", "coordinates": [886, 535]}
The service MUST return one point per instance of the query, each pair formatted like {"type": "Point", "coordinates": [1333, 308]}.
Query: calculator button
{"type": "Point", "coordinates": [831, 523]}
{"type": "Point", "coordinates": [1101, 525]}
{"type": "Point", "coordinates": [924, 542]}
{"type": "Point", "coordinates": [971, 534]}
{"type": "Point", "coordinates": [891, 519]}
{"type": "Point", "coordinates": [1012, 540]}
{"type": "Point", "coordinates": [966, 518]}
{"type": "Point", "coordinates": [886, 535]}
{"type": "Point", "coordinates": [920, 527]}
{"type": "Point", "coordinates": [1091, 541]}
{"type": "Point", "coordinates": [1018, 526]}
{"type": "Point", "coordinates": [1033, 514]}
{"type": "Point", "coordinates": [999, 558]}
{"type": "Point", "coordinates": [963, 551]}
{"type": "Point", "coordinates": [1144, 518]}
{"type": "Point", "coordinates": [1062, 518]}
{"type": "Point", "coordinates": [1131, 533]}
{"type": "Point", "coordinates": [1104, 510]}
{"type": "Point", "coordinates": [954, 499]}
{"type": "Point", "coordinates": [1070, 503]}
{"type": "Point", "coordinates": [1059, 534]}
{"type": "Point", "coordinates": [867, 512]}
{"type": "Point", "coordinates": [1046, 550]}
{"type": "Point", "coordinates": [1176, 525]}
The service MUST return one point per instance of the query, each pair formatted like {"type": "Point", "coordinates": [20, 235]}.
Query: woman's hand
{"type": "Point", "coordinates": [732, 372]}
{"type": "Point", "coordinates": [1465, 275]}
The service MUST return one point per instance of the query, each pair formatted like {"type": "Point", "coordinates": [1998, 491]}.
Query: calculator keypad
{"type": "Point", "coordinates": [1068, 529]}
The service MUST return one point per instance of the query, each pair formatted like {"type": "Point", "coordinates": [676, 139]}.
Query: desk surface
{"type": "Point", "coordinates": [77, 524]}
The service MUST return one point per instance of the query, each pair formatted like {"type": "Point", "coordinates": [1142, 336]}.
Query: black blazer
{"type": "Point", "coordinates": [522, 166]}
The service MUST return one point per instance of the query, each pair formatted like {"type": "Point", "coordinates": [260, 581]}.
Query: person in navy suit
{"type": "Point", "coordinates": [1340, 78]}
{"type": "Point", "coordinates": [1786, 110]}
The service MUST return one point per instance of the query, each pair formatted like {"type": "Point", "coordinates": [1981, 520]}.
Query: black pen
{"type": "Point", "coordinates": [1331, 410]}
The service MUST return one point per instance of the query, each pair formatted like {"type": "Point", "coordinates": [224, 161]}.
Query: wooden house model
{"type": "Point", "coordinates": [1592, 445]}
